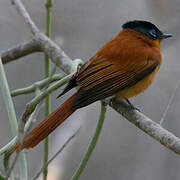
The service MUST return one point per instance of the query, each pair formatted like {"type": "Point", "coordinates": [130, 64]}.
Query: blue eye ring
{"type": "Point", "coordinates": [153, 33]}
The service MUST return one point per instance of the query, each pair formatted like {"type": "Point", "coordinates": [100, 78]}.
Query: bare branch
{"type": "Point", "coordinates": [41, 84]}
{"type": "Point", "coordinates": [22, 134]}
{"type": "Point", "coordinates": [150, 127]}
{"type": "Point", "coordinates": [24, 13]}
{"type": "Point", "coordinates": [48, 46]}
{"type": "Point", "coordinates": [20, 51]}
{"type": "Point", "coordinates": [40, 43]}
{"type": "Point", "coordinates": [55, 53]}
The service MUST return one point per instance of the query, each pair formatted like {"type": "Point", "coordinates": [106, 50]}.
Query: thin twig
{"type": "Point", "coordinates": [40, 84]}
{"type": "Point", "coordinates": [56, 154]}
{"type": "Point", "coordinates": [9, 146]}
{"type": "Point", "coordinates": [12, 165]}
{"type": "Point", "coordinates": [33, 115]}
{"type": "Point", "coordinates": [32, 104]}
{"type": "Point", "coordinates": [12, 117]}
{"type": "Point", "coordinates": [169, 103]}
{"type": "Point", "coordinates": [8, 100]}
{"type": "Point", "coordinates": [48, 6]}
{"type": "Point", "coordinates": [14, 141]}
{"type": "Point", "coordinates": [23, 136]}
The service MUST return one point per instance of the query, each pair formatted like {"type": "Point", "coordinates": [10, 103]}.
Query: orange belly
{"type": "Point", "coordinates": [138, 87]}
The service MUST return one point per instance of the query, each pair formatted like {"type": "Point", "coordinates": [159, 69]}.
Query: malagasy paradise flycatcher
{"type": "Point", "coordinates": [124, 67]}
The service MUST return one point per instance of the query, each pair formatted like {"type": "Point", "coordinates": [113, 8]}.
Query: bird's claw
{"type": "Point", "coordinates": [131, 106]}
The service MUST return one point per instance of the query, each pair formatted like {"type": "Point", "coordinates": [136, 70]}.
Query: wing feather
{"type": "Point", "coordinates": [110, 80]}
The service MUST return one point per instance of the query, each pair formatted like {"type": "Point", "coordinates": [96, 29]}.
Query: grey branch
{"type": "Point", "coordinates": [20, 50]}
{"type": "Point", "coordinates": [65, 63]}
{"type": "Point", "coordinates": [40, 84]}
{"type": "Point", "coordinates": [150, 127]}
{"type": "Point", "coordinates": [40, 43]}
{"type": "Point", "coordinates": [21, 9]}
{"type": "Point", "coordinates": [55, 53]}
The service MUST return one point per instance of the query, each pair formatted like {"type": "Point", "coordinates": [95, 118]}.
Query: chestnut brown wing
{"type": "Point", "coordinates": [102, 79]}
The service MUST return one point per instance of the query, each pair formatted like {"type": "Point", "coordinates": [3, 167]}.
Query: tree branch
{"type": "Point", "coordinates": [40, 84]}
{"type": "Point", "coordinates": [48, 46]}
{"type": "Point", "coordinates": [20, 50]}
{"type": "Point", "coordinates": [12, 118]}
{"type": "Point", "coordinates": [55, 53]}
{"type": "Point", "coordinates": [24, 13]}
{"type": "Point", "coordinates": [150, 127]}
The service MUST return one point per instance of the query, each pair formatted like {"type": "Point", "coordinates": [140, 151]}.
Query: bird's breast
{"type": "Point", "coordinates": [138, 87]}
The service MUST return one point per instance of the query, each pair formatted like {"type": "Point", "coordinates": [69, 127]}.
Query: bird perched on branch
{"type": "Point", "coordinates": [124, 67]}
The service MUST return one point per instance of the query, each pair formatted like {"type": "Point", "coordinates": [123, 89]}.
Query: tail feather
{"type": "Point", "coordinates": [49, 124]}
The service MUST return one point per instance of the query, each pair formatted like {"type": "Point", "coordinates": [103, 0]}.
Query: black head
{"type": "Point", "coordinates": [146, 28]}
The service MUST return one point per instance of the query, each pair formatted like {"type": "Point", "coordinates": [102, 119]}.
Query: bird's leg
{"type": "Point", "coordinates": [131, 106]}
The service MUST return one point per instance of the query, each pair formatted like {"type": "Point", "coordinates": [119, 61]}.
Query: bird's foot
{"type": "Point", "coordinates": [131, 106]}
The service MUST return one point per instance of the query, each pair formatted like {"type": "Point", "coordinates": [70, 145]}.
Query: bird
{"type": "Point", "coordinates": [124, 67]}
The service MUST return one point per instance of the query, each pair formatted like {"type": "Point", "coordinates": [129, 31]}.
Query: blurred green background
{"type": "Point", "coordinates": [81, 27]}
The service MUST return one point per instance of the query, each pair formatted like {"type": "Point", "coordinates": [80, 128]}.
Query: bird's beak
{"type": "Point", "coordinates": [165, 35]}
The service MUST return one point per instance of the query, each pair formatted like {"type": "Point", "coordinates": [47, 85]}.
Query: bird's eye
{"type": "Point", "coordinates": [153, 33]}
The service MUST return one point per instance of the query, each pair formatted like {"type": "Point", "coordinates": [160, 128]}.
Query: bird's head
{"type": "Point", "coordinates": [146, 28]}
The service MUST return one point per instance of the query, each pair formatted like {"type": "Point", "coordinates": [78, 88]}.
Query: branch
{"type": "Point", "coordinates": [33, 103]}
{"type": "Point", "coordinates": [150, 127]}
{"type": "Point", "coordinates": [21, 9]}
{"type": "Point", "coordinates": [48, 6]}
{"type": "Point", "coordinates": [8, 147]}
{"type": "Point", "coordinates": [22, 134]}
{"type": "Point", "coordinates": [12, 117]}
{"type": "Point", "coordinates": [46, 45]}
{"type": "Point", "coordinates": [20, 50]}
{"type": "Point", "coordinates": [40, 84]}
{"type": "Point", "coordinates": [55, 53]}
{"type": "Point", "coordinates": [8, 100]}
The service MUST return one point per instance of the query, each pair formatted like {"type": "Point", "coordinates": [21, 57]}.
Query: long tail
{"type": "Point", "coordinates": [48, 125]}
